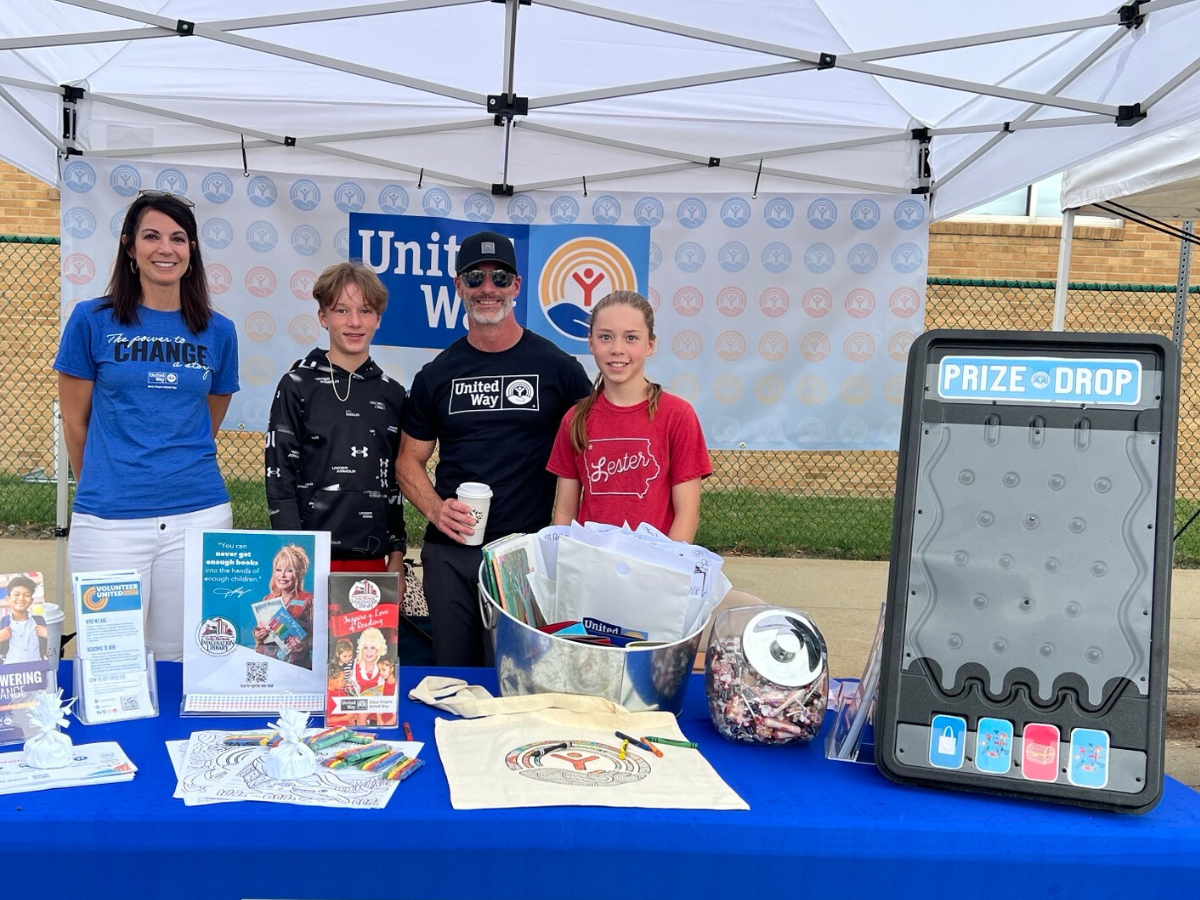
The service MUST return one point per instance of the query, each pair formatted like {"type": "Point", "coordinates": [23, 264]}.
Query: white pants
{"type": "Point", "coordinates": [155, 548]}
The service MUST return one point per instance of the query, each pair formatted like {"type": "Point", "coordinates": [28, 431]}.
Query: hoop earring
{"type": "Point", "coordinates": [133, 266]}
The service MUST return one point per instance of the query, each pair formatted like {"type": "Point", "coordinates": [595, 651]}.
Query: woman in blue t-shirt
{"type": "Point", "coordinates": [145, 375]}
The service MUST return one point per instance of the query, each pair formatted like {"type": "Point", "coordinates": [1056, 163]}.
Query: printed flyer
{"type": "Point", "coordinates": [364, 615]}
{"type": "Point", "coordinates": [255, 621]}
{"type": "Point", "coordinates": [27, 664]}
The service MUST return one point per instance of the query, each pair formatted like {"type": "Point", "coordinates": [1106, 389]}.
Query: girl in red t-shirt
{"type": "Point", "coordinates": [629, 452]}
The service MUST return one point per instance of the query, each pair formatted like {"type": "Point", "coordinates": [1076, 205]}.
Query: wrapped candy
{"type": "Point", "coordinates": [292, 758]}
{"type": "Point", "coordinates": [49, 748]}
{"type": "Point", "coordinates": [766, 676]}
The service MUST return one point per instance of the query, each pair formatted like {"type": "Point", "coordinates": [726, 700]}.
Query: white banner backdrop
{"type": "Point", "coordinates": [784, 319]}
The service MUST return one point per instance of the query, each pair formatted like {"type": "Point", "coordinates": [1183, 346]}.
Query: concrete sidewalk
{"type": "Point", "coordinates": [843, 598]}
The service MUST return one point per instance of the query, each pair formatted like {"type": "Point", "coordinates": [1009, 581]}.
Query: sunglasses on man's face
{"type": "Point", "coordinates": [501, 278]}
{"type": "Point", "coordinates": [154, 195]}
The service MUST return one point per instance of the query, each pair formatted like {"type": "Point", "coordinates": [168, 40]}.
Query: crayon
{"type": "Point", "coordinates": [383, 763]}
{"type": "Point", "coordinates": [356, 756]}
{"type": "Point", "coordinates": [403, 761]}
{"type": "Point", "coordinates": [635, 741]}
{"type": "Point", "coordinates": [402, 771]}
{"type": "Point", "coordinates": [407, 732]}
{"type": "Point", "coordinates": [252, 740]}
{"type": "Point", "coordinates": [669, 742]}
{"type": "Point", "coordinates": [539, 752]}
{"type": "Point", "coordinates": [652, 748]}
{"type": "Point", "coordinates": [624, 749]}
{"type": "Point", "coordinates": [355, 738]}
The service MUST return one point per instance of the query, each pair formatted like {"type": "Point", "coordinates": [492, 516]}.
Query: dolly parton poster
{"type": "Point", "coordinates": [255, 621]}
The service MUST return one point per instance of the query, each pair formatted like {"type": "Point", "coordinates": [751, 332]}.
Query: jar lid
{"type": "Point", "coordinates": [784, 646]}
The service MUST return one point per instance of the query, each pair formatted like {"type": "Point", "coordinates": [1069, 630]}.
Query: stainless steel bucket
{"type": "Point", "coordinates": [529, 661]}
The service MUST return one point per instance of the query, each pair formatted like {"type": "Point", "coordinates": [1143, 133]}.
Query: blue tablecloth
{"type": "Point", "coordinates": [815, 828]}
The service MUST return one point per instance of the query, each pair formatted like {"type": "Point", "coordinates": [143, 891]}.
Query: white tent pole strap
{"type": "Point", "coordinates": [331, 15]}
{"type": "Point", "coordinates": [90, 37]}
{"type": "Point", "coordinates": [1065, 121]}
{"type": "Point", "coordinates": [32, 120]}
{"type": "Point", "coordinates": [1183, 75]}
{"type": "Point", "coordinates": [1182, 283]}
{"type": "Point", "coordinates": [1064, 270]}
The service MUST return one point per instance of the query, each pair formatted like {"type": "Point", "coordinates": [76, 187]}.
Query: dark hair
{"type": "Point", "coordinates": [21, 581]}
{"type": "Point", "coordinates": [124, 292]}
{"type": "Point", "coordinates": [653, 391]}
{"type": "Point", "coordinates": [334, 280]}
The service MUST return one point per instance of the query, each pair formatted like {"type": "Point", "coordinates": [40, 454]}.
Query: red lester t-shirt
{"type": "Point", "coordinates": [631, 463]}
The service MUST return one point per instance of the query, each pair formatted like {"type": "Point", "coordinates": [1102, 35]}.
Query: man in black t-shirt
{"type": "Point", "coordinates": [491, 403]}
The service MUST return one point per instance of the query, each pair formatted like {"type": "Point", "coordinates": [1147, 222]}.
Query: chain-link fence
{"type": "Point", "coordinates": [776, 503]}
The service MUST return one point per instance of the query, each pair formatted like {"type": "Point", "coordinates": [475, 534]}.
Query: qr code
{"type": "Point", "coordinates": [256, 673]}
{"type": "Point", "coordinates": [129, 703]}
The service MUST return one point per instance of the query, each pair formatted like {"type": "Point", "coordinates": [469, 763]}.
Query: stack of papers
{"type": "Point", "coordinates": [90, 764]}
{"type": "Point", "coordinates": [113, 677]}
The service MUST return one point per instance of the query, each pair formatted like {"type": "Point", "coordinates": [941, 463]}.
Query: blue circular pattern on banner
{"type": "Point", "coordinates": [341, 243]}
{"type": "Point", "coordinates": [819, 258]}
{"type": "Point", "coordinates": [909, 214]}
{"type": "Point", "coordinates": [217, 187]}
{"type": "Point", "coordinates": [393, 199]}
{"type": "Point", "coordinates": [689, 257]}
{"type": "Point", "coordinates": [306, 240]}
{"type": "Point", "coordinates": [692, 212]}
{"type": "Point", "coordinates": [349, 197]}
{"type": "Point", "coordinates": [115, 223]}
{"type": "Point", "coordinates": [862, 259]}
{"type": "Point", "coordinates": [907, 258]}
{"type": "Point", "coordinates": [261, 236]}
{"type": "Point", "coordinates": [779, 212]}
{"type": "Point", "coordinates": [172, 181]}
{"type": "Point", "coordinates": [606, 210]}
{"type": "Point", "coordinates": [522, 209]}
{"type": "Point", "coordinates": [649, 211]}
{"type": "Point", "coordinates": [305, 195]}
{"type": "Point", "coordinates": [79, 176]}
{"type": "Point", "coordinates": [733, 256]}
{"type": "Point", "coordinates": [479, 207]}
{"type": "Point", "coordinates": [776, 257]}
{"type": "Point", "coordinates": [655, 256]}
{"type": "Point", "coordinates": [261, 191]}
{"type": "Point", "coordinates": [864, 215]}
{"type": "Point", "coordinates": [79, 223]}
{"type": "Point", "coordinates": [735, 212]}
{"type": "Point", "coordinates": [436, 202]}
{"type": "Point", "coordinates": [125, 180]}
{"type": "Point", "coordinates": [564, 210]}
{"type": "Point", "coordinates": [216, 234]}
{"type": "Point", "coordinates": [822, 213]}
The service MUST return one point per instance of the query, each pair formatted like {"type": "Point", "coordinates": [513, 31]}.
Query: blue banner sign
{"type": "Point", "coordinates": [1040, 380]}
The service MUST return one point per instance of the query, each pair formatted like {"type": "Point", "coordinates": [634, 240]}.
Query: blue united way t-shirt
{"type": "Point", "coordinates": [150, 449]}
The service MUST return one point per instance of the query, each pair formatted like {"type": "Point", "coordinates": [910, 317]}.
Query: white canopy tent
{"type": "Point", "coordinates": [959, 101]}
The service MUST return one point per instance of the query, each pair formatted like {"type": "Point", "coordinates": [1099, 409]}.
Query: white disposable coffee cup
{"type": "Point", "coordinates": [478, 496]}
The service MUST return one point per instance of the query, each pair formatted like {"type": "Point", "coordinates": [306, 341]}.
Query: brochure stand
{"type": "Point", "coordinates": [103, 699]}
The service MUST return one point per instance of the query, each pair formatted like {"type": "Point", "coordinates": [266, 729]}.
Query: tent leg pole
{"type": "Point", "coordinates": [64, 594]}
{"type": "Point", "coordinates": [1182, 283]}
{"type": "Point", "coordinates": [1064, 270]}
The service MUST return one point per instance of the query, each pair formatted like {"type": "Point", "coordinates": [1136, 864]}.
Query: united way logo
{"type": "Point", "coordinates": [768, 390]}
{"type": "Point", "coordinates": [817, 302]}
{"type": "Point", "coordinates": [692, 212]}
{"type": "Point", "coordinates": [862, 259]}
{"type": "Point", "coordinates": [856, 390]}
{"type": "Point", "coordinates": [893, 390]}
{"type": "Point", "coordinates": [393, 200]}
{"type": "Point", "coordinates": [904, 302]}
{"type": "Point", "coordinates": [653, 298]}
{"type": "Point", "coordinates": [172, 181]}
{"type": "Point", "coordinates": [773, 346]}
{"type": "Point", "coordinates": [811, 389]}
{"type": "Point", "coordinates": [779, 212]}
{"type": "Point", "coordinates": [809, 431]}
{"type": "Point", "coordinates": [864, 215]}
{"type": "Point", "coordinates": [814, 346]}
{"type": "Point", "coordinates": [564, 210]}
{"type": "Point", "coordinates": [349, 197]}
{"type": "Point", "coordinates": [304, 330]}
{"type": "Point", "coordinates": [216, 234]}
{"type": "Point", "coordinates": [687, 345]}
{"type": "Point", "coordinates": [125, 180]}
{"type": "Point", "coordinates": [578, 273]}
{"type": "Point", "coordinates": [889, 431]}
{"type": "Point", "coordinates": [606, 210]}
{"type": "Point", "coordinates": [907, 258]}
{"type": "Point", "coordinates": [306, 240]}
{"type": "Point", "coordinates": [909, 214]}
{"type": "Point", "coordinates": [774, 302]}
{"type": "Point", "coordinates": [768, 430]}
{"type": "Point", "coordinates": [853, 431]}
{"type": "Point", "coordinates": [649, 211]}
{"type": "Point", "coordinates": [731, 301]}
{"type": "Point", "coordinates": [522, 209]}
{"type": "Point", "coordinates": [258, 370]}
{"type": "Point", "coordinates": [822, 213]}
{"type": "Point", "coordinates": [730, 345]}
{"type": "Point", "coordinates": [479, 207]}
{"type": "Point", "coordinates": [305, 195]}
{"type": "Point", "coordinates": [733, 256]}
{"type": "Point", "coordinates": [726, 430]}
{"type": "Point", "coordinates": [78, 177]}
{"type": "Point", "coordinates": [776, 257]}
{"type": "Point", "coordinates": [259, 326]}
{"type": "Point", "coordinates": [341, 243]}
{"type": "Point", "coordinates": [260, 282]}
{"type": "Point", "coordinates": [899, 344]}
{"type": "Point", "coordinates": [78, 268]}
{"type": "Point", "coordinates": [79, 223]}
{"type": "Point", "coordinates": [689, 257]}
{"type": "Point", "coordinates": [688, 301]}
{"type": "Point", "coordinates": [860, 303]}
{"type": "Point", "coordinates": [819, 258]}
{"type": "Point", "coordinates": [727, 389]}
{"type": "Point", "coordinates": [218, 276]}
{"type": "Point", "coordinates": [261, 236]}
{"type": "Point", "coordinates": [436, 202]}
{"type": "Point", "coordinates": [858, 347]}
{"type": "Point", "coordinates": [261, 191]}
{"type": "Point", "coordinates": [217, 187]}
{"type": "Point", "coordinates": [735, 212]}
{"type": "Point", "coordinates": [655, 256]}
{"type": "Point", "coordinates": [301, 284]}
{"type": "Point", "coordinates": [115, 223]}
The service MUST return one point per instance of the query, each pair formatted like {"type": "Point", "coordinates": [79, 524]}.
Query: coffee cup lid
{"type": "Point", "coordinates": [474, 489]}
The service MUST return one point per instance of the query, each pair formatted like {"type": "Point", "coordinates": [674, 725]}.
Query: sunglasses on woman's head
{"type": "Point", "coordinates": [501, 278]}
{"type": "Point", "coordinates": [154, 195]}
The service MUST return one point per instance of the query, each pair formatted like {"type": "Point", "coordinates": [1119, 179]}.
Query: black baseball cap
{"type": "Point", "coordinates": [487, 246]}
